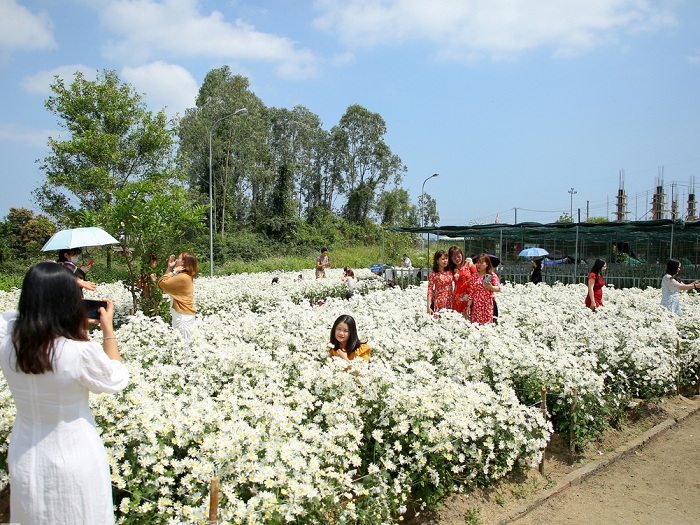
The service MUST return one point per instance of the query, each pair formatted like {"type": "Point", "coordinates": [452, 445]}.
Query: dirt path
{"type": "Point", "coordinates": [648, 477]}
{"type": "Point", "coordinates": [657, 483]}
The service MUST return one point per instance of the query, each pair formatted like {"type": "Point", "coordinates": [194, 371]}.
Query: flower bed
{"type": "Point", "coordinates": [254, 399]}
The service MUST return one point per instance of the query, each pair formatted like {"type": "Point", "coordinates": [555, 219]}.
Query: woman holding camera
{"type": "Point", "coordinates": [59, 471]}
{"type": "Point", "coordinates": [178, 283]}
{"type": "Point", "coordinates": [484, 283]}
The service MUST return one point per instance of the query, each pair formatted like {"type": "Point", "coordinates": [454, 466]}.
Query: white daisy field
{"type": "Point", "coordinates": [254, 399]}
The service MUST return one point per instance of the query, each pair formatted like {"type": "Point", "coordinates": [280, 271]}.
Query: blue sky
{"type": "Point", "coordinates": [512, 102]}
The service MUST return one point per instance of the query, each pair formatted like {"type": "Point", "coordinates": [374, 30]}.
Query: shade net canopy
{"type": "Point", "coordinates": [662, 230]}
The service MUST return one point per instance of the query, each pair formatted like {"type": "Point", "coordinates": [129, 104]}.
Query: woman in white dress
{"type": "Point", "coordinates": [671, 286]}
{"type": "Point", "coordinates": [59, 471]}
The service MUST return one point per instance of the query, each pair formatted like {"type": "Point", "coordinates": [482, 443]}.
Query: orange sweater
{"type": "Point", "coordinates": [181, 288]}
{"type": "Point", "coordinates": [362, 351]}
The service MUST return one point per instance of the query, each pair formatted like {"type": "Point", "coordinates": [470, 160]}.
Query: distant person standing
{"type": "Point", "coordinates": [322, 262]}
{"type": "Point", "coordinates": [406, 262]}
{"type": "Point", "coordinates": [594, 297]}
{"type": "Point", "coordinates": [671, 286]}
{"type": "Point", "coordinates": [536, 274]}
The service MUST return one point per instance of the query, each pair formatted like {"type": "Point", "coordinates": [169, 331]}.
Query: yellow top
{"type": "Point", "coordinates": [181, 288]}
{"type": "Point", "coordinates": [362, 351]}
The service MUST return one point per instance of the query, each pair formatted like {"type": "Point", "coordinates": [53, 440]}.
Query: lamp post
{"type": "Point", "coordinates": [422, 215]}
{"type": "Point", "coordinates": [238, 112]}
{"type": "Point", "coordinates": [572, 192]}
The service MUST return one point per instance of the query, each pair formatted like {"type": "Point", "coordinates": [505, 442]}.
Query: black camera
{"type": "Point", "coordinates": [93, 308]}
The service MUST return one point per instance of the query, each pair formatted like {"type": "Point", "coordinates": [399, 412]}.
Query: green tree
{"type": "Point", "coordinates": [565, 218]}
{"type": "Point", "coordinates": [597, 219]}
{"type": "Point", "coordinates": [153, 215]}
{"type": "Point", "coordinates": [297, 144]}
{"type": "Point", "coordinates": [26, 233]}
{"type": "Point", "coordinates": [241, 170]}
{"type": "Point", "coordinates": [428, 206]}
{"type": "Point", "coordinates": [394, 208]}
{"type": "Point", "coordinates": [365, 160]}
{"type": "Point", "coordinates": [110, 139]}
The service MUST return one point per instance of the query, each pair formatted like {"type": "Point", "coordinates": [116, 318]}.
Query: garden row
{"type": "Point", "coordinates": [254, 400]}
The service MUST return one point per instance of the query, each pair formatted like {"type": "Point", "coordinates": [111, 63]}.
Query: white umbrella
{"type": "Point", "coordinates": [533, 252]}
{"type": "Point", "coordinates": [78, 238]}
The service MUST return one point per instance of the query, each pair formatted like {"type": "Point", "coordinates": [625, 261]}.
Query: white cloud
{"type": "Point", "coordinates": [41, 81]}
{"type": "Point", "coordinates": [176, 28]}
{"type": "Point", "coordinates": [166, 86]}
{"type": "Point", "coordinates": [694, 58]}
{"type": "Point", "coordinates": [494, 28]}
{"type": "Point", "coordinates": [23, 30]}
{"type": "Point", "coordinates": [35, 138]}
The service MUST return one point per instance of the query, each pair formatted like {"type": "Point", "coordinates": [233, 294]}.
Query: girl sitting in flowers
{"type": "Point", "coordinates": [344, 340]}
{"type": "Point", "coordinates": [440, 284]}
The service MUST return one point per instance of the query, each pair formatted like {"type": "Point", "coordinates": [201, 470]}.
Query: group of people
{"type": "Point", "coordinates": [464, 285]}
{"type": "Point", "coordinates": [671, 286]}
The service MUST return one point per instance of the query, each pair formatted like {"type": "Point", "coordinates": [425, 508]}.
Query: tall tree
{"type": "Point", "coordinates": [366, 160]}
{"type": "Point", "coordinates": [428, 207]}
{"type": "Point", "coordinates": [394, 208]}
{"type": "Point", "coordinates": [111, 138]}
{"type": "Point", "coordinates": [297, 145]}
{"type": "Point", "coordinates": [239, 147]}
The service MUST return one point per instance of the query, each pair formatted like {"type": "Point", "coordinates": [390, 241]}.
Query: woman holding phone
{"type": "Point", "coordinates": [59, 470]}
{"type": "Point", "coordinates": [178, 283]}
{"type": "Point", "coordinates": [484, 283]}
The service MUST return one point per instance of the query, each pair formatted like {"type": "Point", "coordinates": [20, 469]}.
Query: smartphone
{"type": "Point", "coordinates": [487, 279]}
{"type": "Point", "coordinates": [93, 306]}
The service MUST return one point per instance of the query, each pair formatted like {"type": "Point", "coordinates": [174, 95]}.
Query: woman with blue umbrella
{"type": "Point", "coordinates": [69, 243]}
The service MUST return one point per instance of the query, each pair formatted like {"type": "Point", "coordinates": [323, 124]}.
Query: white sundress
{"type": "Point", "coordinates": [59, 471]}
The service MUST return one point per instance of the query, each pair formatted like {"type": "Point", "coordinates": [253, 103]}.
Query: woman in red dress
{"type": "Point", "coordinates": [439, 284]}
{"type": "Point", "coordinates": [462, 270]}
{"type": "Point", "coordinates": [484, 283]}
{"type": "Point", "coordinates": [594, 297]}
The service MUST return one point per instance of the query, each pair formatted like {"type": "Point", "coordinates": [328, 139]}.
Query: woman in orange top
{"type": "Point", "coordinates": [178, 283]}
{"type": "Point", "coordinates": [344, 341]}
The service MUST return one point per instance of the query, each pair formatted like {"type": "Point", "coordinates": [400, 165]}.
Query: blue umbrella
{"type": "Point", "coordinates": [533, 252]}
{"type": "Point", "coordinates": [78, 238]}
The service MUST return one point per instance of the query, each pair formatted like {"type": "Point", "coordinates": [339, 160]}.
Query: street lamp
{"type": "Point", "coordinates": [422, 215]}
{"type": "Point", "coordinates": [571, 209]}
{"type": "Point", "coordinates": [238, 112]}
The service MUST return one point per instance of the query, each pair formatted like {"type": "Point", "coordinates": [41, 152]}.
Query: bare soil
{"type": "Point", "coordinates": [653, 484]}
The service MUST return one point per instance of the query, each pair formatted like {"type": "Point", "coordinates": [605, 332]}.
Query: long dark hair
{"type": "Point", "coordinates": [50, 306]}
{"type": "Point", "coordinates": [597, 267]}
{"type": "Point", "coordinates": [673, 267]}
{"type": "Point", "coordinates": [436, 257]}
{"type": "Point", "coordinates": [353, 341]}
